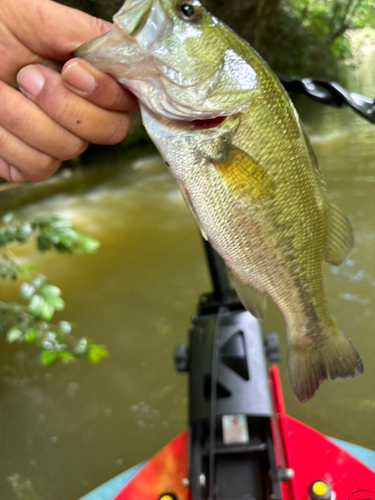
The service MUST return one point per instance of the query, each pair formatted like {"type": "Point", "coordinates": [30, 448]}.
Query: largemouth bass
{"type": "Point", "coordinates": [232, 139]}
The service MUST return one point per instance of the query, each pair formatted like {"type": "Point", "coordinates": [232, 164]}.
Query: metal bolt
{"type": "Point", "coordinates": [181, 358]}
{"type": "Point", "coordinates": [285, 474]}
{"type": "Point", "coordinates": [202, 480]}
{"type": "Point", "coordinates": [289, 473]}
{"type": "Point", "coordinates": [185, 481]}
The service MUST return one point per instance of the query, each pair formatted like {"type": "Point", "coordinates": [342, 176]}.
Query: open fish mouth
{"type": "Point", "coordinates": [200, 123]}
{"type": "Point", "coordinates": [208, 123]}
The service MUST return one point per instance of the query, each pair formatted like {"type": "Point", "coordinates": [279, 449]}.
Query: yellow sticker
{"type": "Point", "coordinates": [319, 488]}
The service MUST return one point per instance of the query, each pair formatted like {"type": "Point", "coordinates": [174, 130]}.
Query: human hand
{"type": "Point", "coordinates": [55, 115]}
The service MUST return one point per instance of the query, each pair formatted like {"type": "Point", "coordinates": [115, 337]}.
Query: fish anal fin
{"type": "Point", "coordinates": [340, 238]}
{"type": "Point", "coordinates": [251, 298]}
{"type": "Point", "coordinates": [244, 175]}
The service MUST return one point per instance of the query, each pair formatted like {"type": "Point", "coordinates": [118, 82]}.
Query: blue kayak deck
{"type": "Point", "coordinates": [109, 489]}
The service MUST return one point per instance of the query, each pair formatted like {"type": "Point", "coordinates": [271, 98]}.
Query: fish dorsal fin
{"type": "Point", "coordinates": [244, 175]}
{"type": "Point", "coordinates": [188, 202]}
{"type": "Point", "coordinates": [340, 238]}
{"type": "Point", "coordinates": [251, 298]}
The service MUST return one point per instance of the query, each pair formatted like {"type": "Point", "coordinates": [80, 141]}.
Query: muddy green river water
{"type": "Point", "coordinates": [66, 429]}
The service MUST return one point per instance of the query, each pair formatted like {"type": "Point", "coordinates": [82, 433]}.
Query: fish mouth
{"type": "Point", "coordinates": [196, 124]}
{"type": "Point", "coordinates": [131, 52]}
{"type": "Point", "coordinates": [206, 123]}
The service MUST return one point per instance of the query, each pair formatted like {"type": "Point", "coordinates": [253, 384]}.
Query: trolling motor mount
{"type": "Point", "coordinates": [231, 451]}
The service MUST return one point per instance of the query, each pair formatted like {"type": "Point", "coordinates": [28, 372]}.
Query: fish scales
{"type": "Point", "coordinates": [251, 179]}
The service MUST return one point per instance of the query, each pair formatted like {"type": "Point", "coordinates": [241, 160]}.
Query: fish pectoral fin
{"type": "Point", "coordinates": [340, 238]}
{"type": "Point", "coordinates": [188, 202]}
{"type": "Point", "coordinates": [244, 175]}
{"type": "Point", "coordinates": [251, 298]}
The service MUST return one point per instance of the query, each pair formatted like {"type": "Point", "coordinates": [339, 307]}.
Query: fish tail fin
{"type": "Point", "coordinates": [313, 360]}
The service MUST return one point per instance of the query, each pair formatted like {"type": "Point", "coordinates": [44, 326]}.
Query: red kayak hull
{"type": "Point", "coordinates": [308, 453]}
{"type": "Point", "coordinates": [313, 456]}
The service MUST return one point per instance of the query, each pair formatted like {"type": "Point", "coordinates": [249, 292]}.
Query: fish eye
{"type": "Point", "coordinates": [188, 12]}
{"type": "Point", "coordinates": [187, 9]}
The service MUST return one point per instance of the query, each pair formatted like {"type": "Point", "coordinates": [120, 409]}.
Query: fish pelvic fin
{"type": "Point", "coordinates": [313, 360]}
{"type": "Point", "coordinates": [251, 298]}
{"type": "Point", "coordinates": [340, 238]}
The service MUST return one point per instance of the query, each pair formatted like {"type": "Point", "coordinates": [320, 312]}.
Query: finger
{"type": "Point", "coordinates": [97, 87]}
{"type": "Point", "coordinates": [50, 29]}
{"type": "Point", "coordinates": [15, 175]}
{"type": "Point", "coordinates": [13, 55]}
{"type": "Point", "coordinates": [10, 173]}
{"type": "Point", "coordinates": [82, 118]}
{"type": "Point", "coordinates": [26, 163]}
{"type": "Point", "coordinates": [32, 125]}
{"type": "Point", "coordinates": [4, 170]}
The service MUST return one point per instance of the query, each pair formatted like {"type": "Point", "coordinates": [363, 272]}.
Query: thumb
{"type": "Point", "coordinates": [49, 29]}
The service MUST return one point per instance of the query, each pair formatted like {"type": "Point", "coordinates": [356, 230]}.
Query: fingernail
{"type": "Point", "coordinates": [79, 78]}
{"type": "Point", "coordinates": [30, 80]}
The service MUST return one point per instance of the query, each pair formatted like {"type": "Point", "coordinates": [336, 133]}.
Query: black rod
{"type": "Point", "coordinates": [218, 273]}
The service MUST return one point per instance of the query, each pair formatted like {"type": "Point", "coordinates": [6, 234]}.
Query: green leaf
{"type": "Point", "coordinates": [13, 335]}
{"type": "Point", "coordinates": [97, 353]}
{"type": "Point", "coordinates": [48, 357]}
{"type": "Point", "coordinates": [39, 280]}
{"type": "Point", "coordinates": [82, 347]}
{"type": "Point", "coordinates": [26, 291]}
{"type": "Point", "coordinates": [8, 267]}
{"type": "Point", "coordinates": [36, 304]}
{"type": "Point", "coordinates": [51, 336]}
{"type": "Point", "coordinates": [67, 357]}
{"type": "Point", "coordinates": [30, 335]}
{"type": "Point", "coordinates": [24, 270]}
{"type": "Point", "coordinates": [9, 217]}
{"type": "Point", "coordinates": [47, 311]}
{"type": "Point", "coordinates": [32, 320]}
{"type": "Point", "coordinates": [40, 308]}
{"type": "Point", "coordinates": [43, 243]}
{"type": "Point", "coordinates": [30, 267]}
{"type": "Point", "coordinates": [56, 302]}
{"type": "Point", "coordinates": [49, 291]}
{"type": "Point", "coordinates": [23, 232]}
{"type": "Point", "coordinates": [89, 245]}
{"type": "Point", "coordinates": [26, 228]}
{"type": "Point", "coordinates": [65, 326]}
{"type": "Point", "coordinates": [10, 232]}
{"type": "Point", "coordinates": [44, 220]}
{"type": "Point", "coordinates": [61, 224]}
